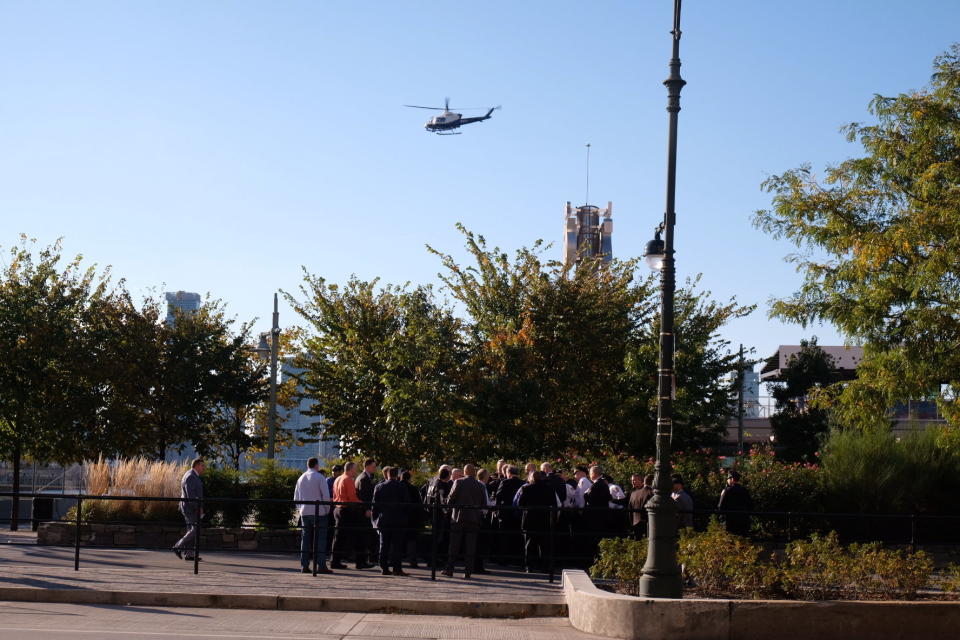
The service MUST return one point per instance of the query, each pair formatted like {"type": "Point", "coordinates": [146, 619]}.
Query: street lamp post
{"type": "Point", "coordinates": [661, 573]}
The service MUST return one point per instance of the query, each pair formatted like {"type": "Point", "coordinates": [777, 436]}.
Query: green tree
{"type": "Point", "coordinates": [382, 366]}
{"type": "Point", "coordinates": [43, 302]}
{"type": "Point", "coordinates": [799, 425]}
{"type": "Point", "coordinates": [564, 359]}
{"type": "Point", "coordinates": [241, 389]}
{"type": "Point", "coordinates": [880, 249]}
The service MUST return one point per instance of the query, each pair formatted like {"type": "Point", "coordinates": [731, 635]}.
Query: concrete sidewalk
{"type": "Point", "coordinates": [45, 621]}
{"type": "Point", "coordinates": [262, 581]}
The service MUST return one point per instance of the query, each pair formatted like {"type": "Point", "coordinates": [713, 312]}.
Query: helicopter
{"type": "Point", "coordinates": [445, 123]}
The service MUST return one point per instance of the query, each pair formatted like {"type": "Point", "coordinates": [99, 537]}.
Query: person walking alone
{"type": "Point", "coordinates": [191, 501]}
{"type": "Point", "coordinates": [312, 488]}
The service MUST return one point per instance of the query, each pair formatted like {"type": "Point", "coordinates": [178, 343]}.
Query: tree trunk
{"type": "Point", "coordinates": [15, 505]}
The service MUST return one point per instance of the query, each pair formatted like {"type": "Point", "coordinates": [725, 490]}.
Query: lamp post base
{"type": "Point", "coordinates": [661, 585]}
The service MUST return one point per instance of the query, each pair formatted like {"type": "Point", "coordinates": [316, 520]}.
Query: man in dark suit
{"type": "Point", "coordinates": [642, 492]}
{"type": "Point", "coordinates": [191, 490]}
{"type": "Point", "coordinates": [596, 509]}
{"type": "Point", "coordinates": [367, 541]}
{"type": "Point", "coordinates": [468, 497]}
{"type": "Point", "coordinates": [390, 517]}
{"type": "Point", "coordinates": [733, 499]}
{"type": "Point", "coordinates": [509, 542]}
{"type": "Point", "coordinates": [536, 499]}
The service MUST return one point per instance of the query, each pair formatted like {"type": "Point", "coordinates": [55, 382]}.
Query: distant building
{"type": "Point", "coordinates": [296, 421]}
{"type": "Point", "coordinates": [586, 234]}
{"type": "Point", "coordinates": [751, 391]}
{"type": "Point", "coordinates": [845, 359]}
{"type": "Point", "coordinates": [185, 301]}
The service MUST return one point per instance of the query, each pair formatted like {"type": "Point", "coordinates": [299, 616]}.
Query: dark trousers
{"type": "Point", "coordinates": [346, 539]}
{"type": "Point", "coordinates": [535, 549]}
{"type": "Point", "coordinates": [638, 531]}
{"type": "Point", "coordinates": [442, 534]}
{"type": "Point", "coordinates": [510, 541]}
{"type": "Point", "coordinates": [463, 536]}
{"type": "Point", "coordinates": [193, 528]}
{"type": "Point", "coordinates": [391, 548]}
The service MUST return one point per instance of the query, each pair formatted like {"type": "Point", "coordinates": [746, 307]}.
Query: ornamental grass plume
{"type": "Point", "coordinates": [97, 477]}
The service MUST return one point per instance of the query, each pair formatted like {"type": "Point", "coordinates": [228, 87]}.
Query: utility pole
{"type": "Point", "coordinates": [274, 353]}
{"type": "Point", "coordinates": [740, 381]}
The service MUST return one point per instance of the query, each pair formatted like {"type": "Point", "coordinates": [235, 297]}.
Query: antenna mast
{"type": "Point", "coordinates": [587, 201]}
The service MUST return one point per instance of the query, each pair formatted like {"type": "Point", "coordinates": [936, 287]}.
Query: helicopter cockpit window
{"type": "Point", "coordinates": [439, 119]}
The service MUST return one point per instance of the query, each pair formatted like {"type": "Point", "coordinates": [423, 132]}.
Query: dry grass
{"type": "Point", "coordinates": [134, 477]}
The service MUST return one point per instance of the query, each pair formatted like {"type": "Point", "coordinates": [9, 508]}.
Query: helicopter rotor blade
{"type": "Point", "coordinates": [416, 106]}
{"type": "Point", "coordinates": [446, 104]}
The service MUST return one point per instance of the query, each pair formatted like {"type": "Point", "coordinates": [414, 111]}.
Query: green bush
{"type": "Point", "coordinates": [821, 568]}
{"type": "Point", "coordinates": [721, 564]}
{"type": "Point", "coordinates": [621, 559]}
{"type": "Point", "coordinates": [225, 482]}
{"type": "Point", "coordinates": [878, 471]}
{"type": "Point", "coordinates": [270, 481]}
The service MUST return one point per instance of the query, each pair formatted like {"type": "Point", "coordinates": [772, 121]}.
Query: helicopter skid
{"type": "Point", "coordinates": [448, 133]}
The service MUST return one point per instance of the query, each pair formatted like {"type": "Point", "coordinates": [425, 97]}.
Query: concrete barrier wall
{"type": "Point", "coordinates": [617, 616]}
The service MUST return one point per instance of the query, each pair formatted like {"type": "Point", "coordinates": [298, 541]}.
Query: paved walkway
{"type": "Point", "coordinates": [44, 621]}
{"type": "Point", "coordinates": [236, 573]}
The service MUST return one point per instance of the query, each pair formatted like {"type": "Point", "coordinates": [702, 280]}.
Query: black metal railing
{"type": "Point", "coordinates": [509, 535]}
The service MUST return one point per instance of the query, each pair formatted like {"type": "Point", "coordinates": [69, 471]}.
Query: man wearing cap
{"type": "Point", "coordinates": [735, 505]}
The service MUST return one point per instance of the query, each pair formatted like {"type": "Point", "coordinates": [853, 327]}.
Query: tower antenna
{"type": "Point", "coordinates": [587, 201]}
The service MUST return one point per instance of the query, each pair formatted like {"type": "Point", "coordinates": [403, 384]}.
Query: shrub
{"type": "Point", "coordinates": [820, 568]}
{"type": "Point", "coordinates": [621, 559]}
{"type": "Point", "coordinates": [950, 581]}
{"type": "Point", "coordinates": [878, 471]}
{"type": "Point", "coordinates": [720, 563]}
{"type": "Point", "coordinates": [225, 482]}
{"type": "Point", "coordinates": [270, 481]}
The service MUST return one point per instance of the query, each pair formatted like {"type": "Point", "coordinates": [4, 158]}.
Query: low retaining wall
{"type": "Point", "coordinates": [618, 616]}
{"type": "Point", "coordinates": [158, 536]}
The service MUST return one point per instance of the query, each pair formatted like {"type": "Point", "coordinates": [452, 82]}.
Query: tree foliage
{"type": "Point", "coordinates": [89, 372]}
{"type": "Point", "coordinates": [799, 424]}
{"type": "Point", "coordinates": [383, 366]}
{"type": "Point", "coordinates": [880, 248]}
{"type": "Point", "coordinates": [548, 359]}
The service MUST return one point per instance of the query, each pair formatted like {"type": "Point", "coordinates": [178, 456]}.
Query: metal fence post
{"type": "Point", "coordinates": [433, 541]}
{"type": "Point", "coordinates": [76, 538]}
{"type": "Point", "coordinates": [316, 534]}
{"type": "Point", "coordinates": [196, 538]}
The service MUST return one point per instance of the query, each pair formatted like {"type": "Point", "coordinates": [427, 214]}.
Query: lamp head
{"type": "Point", "coordinates": [655, 253]}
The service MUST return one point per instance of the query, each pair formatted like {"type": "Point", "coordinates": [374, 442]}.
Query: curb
{"type": "Point", "coordinates": [602, 613]}
{"type": "Point", "coordinates": [474, 609]}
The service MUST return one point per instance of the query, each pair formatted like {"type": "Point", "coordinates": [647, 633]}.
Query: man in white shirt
{"type": "Point", "coordinates": [583, 483]}
{"type": "Point", "coordinates": [311, 487]}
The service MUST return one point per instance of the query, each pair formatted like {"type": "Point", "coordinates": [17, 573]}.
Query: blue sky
{"type": "Point", "coordinates": [218, 146]}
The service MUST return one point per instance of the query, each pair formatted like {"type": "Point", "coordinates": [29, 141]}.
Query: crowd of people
{"type": "Point", "coordinates": [531, 520]}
